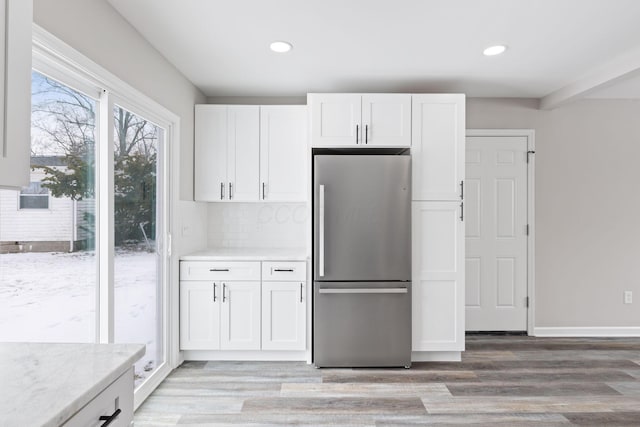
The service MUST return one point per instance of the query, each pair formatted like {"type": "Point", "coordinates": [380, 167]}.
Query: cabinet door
{"type": "Point", "coordinates": [283, 316]}
{"type": "Point", "coordinates": [16, 17]}
{"type": "Point", "coordinates": [283, 153]}
{"type": "Point", "coordinates": [386, 120]}
{"type": "Point", "coordinates": [438, 277]}
{"type": "Point", "coordinates": [210, 167]}
{"type": "Point", "coordinates": [199, 316]}
{"type": "Point", "coordinates": [243, 155]}
{"type": "Point", "coordinates": [437, 148]}
{"type": "Point", "coordinates": [240, 320]}
{"type": "Point", "coordinates": [335, 119]}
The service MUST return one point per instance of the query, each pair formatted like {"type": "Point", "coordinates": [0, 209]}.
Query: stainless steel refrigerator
{"type": "Point", "coordinates": [362, 260]}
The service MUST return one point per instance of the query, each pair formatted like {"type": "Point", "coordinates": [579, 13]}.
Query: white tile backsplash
{"type": "Point", "coordinates": [257, 225]}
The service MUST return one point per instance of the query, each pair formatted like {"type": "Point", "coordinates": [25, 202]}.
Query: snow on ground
{"type": "Point", "coordinates": [51, 297]}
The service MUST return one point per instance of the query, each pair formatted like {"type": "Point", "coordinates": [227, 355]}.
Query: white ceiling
{"type": "Point", "coordinates": [222, 46]}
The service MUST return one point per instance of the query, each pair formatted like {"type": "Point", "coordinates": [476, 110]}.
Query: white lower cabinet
{"type": "Point", "coordinates": [240, 316]}
{"type": "Point", "coordinates": [200, 315]}
{"type": "Point", "coordinates": [115, 403]}
{"type": "Point", "coordinates": [438, 277]}
{"type": "Point", "coordinates": [283, 316]}
{"type": "Point", "coordinates": [221, 314]}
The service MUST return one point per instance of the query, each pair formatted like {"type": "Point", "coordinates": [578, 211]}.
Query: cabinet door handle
{"type": "Point", "coordinates": [224, 292]}
{"type": "Point", "coordinates": [366, 134]}
{"type": "Point", "coordinates": [214, 292]}
{"type": "Point", "coordinates": [108, 419]}
{"type": "Point", "coordinates": [222, 191]}
{"type": "Point", "coordinates": [461, 211]}
{"type": "Point", "coordinates": [230, 191]}
{"type": "Point", "coordinates": [461, 190]}
{"type": "Point", "coordinates": [300, 292]}
{"type": "Point", "coordinates": [357, 133]}
{"type": "Point", "coordinates": [263, 190]}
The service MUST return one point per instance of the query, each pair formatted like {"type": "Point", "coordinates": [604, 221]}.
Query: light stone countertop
{"type": "Point", "coordinates": [44, 384]}
{"type": "Point", "coordinates": [248, 254]}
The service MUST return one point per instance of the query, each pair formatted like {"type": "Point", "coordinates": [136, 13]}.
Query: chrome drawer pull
{"type": "Point", "coordinates": [289, 270]}
{"type": "Point", "coordinates": [218, 269]}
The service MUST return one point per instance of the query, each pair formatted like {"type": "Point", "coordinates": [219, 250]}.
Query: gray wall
{"type": "Point", "coordinates": [587, 206]}
{"type": "Point", "coordinates": [96, 30]}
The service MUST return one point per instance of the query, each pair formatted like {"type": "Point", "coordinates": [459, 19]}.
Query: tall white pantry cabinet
{"type": "Point", "coordinates": [438, 235]}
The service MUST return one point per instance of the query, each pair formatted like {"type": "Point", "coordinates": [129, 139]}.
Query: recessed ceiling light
{"type": "Point", "coordinates": [494, 50]}
{"type": "Point", "coordinates": [280, 46]}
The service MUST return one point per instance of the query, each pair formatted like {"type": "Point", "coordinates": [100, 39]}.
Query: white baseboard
{"type": "Point", "coordinates": [595, 331]}
{"type": "Point", "coordinates": [436, 356]}
{"type": "Point", "coordinates": [249, 355]}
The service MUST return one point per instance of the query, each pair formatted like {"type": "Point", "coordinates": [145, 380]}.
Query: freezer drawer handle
{"type": "Point", "coordinates": [364, 291]}
{"type": "Point", "coordinates": [321, 233]}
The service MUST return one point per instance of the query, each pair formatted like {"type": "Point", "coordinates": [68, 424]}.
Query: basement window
{"type": "Point", "coordinates": [35, 196]}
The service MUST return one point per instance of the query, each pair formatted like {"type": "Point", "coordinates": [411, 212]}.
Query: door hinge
{"type": "Point", "coordinates": [529, 153]}
{"type": "Point", "coordinates": [526, 302]}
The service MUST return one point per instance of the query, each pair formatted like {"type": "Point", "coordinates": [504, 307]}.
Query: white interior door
{"type": "Point", "coordinates": [496, 233]}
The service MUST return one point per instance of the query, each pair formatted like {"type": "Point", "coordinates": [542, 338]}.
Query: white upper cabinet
{"type": "Point", "coordinates": [227, 153]}
{"type": "Point", "coordinates": [386, 120]}
{"type": "Point", "coordinates": [246, 153]}
{"type": "Point", "coordinates": [243, 152]}
{"type": "Point", "coordinates": [437, 148]}
{"type": "Point", "coordinates": [283, 150]}
{"type": "Point", "coordinates": [360, 120]}
{"type": "Point", "coordinates": [16, 17]}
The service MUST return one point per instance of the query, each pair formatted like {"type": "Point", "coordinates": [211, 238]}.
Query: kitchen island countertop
{"type": "Point", "coordinates": [45, 384]}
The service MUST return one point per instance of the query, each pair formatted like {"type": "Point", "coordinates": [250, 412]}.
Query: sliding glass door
{"type": "Point", "coordinates": [71, 270]}
{"type": "Point", "coordinates": [137, 148]}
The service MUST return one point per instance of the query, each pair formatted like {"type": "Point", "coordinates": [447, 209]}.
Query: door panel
{"type": "Point", "coordinates": [386, 120]}
{"type": "Point", "coordinates": [240, 316]}
{"type": "Point", "coordinates": [210, 153]}
{"type": "Point", "coordinates": [335, 119]}
{"type": "Point", "coordinates": [496, 210]}
{"type": "Point", "coordinates": [283, 316]}
{"type": "Point", "coordinates": [199, 316]}
{"type": "Point", "coordinates": [366, 231]}
{"type": "Point", "coordinates": [283, 150]}
{"type": "Point", "coordinates": [244, 152]}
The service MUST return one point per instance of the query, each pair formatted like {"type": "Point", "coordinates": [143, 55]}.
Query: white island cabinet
{"type": "Point", "coordinates": [70, 385]}
{"type": "Point", "coordinates": [243, 307]}
{"type": "Point", "coordinates": [16, 17]}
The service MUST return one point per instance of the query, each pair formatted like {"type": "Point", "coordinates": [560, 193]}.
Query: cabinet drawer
{"type": "Point", "coordinates": [219, 270]}
{"type": "Point", "coordinates": [118, 395]}
{"type": "Point", "coordinates": [284, 271]}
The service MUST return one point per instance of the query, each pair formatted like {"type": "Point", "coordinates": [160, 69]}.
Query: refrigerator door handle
{"type": "Point", "coordinates": [363, 291]}
{"type": "Point", "coordinates": [321, 232]}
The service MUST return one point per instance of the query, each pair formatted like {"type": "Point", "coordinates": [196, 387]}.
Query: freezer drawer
{"type": "Point", "coordinates": [362, 324]}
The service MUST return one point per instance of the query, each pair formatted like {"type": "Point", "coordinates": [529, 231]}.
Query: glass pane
{"type": "Point", "coordinates": [138, 314]}
{"type": "Point", "coordinates": [47, 259]}
{"type": "Point", "coordinates": [34, 202]}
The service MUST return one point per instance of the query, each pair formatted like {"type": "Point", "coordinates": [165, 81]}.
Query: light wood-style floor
{"type": "Point", "coordinates": [502, 380]}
